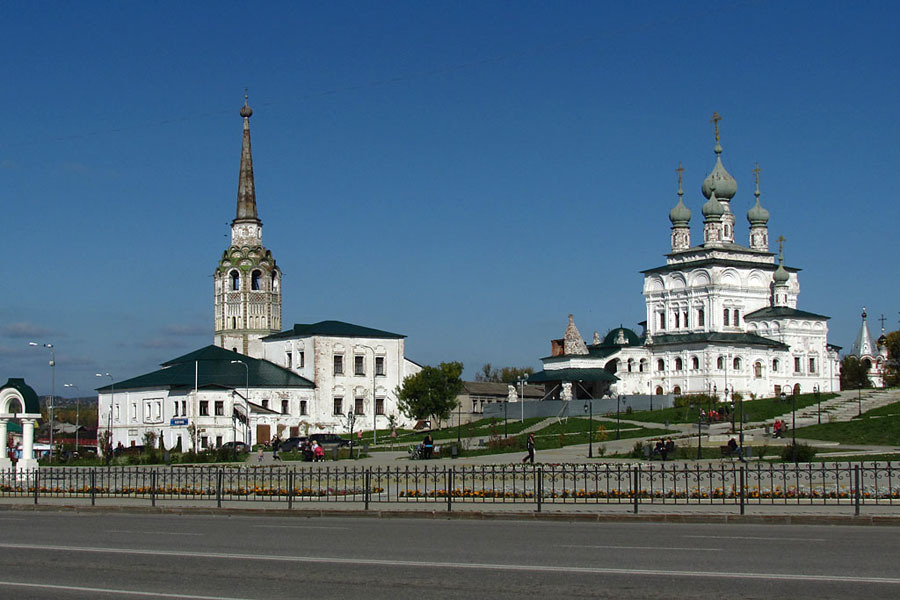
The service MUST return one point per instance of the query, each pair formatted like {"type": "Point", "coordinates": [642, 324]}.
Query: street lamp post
{"type": "Point", "coordinates": [112, 397]}
{"type": "Point", "coordinates": [522, 381]}
{"type": "Point", "coordinates": [699, 433]}
{"type": "Point", "coordinates": [77, 410]}
{"type": "Point", "coordinates": [505, 418]}
{"type": "Point", "coordinates": [52, 388]}
{"type": "Point", "coordinates": [858, 402]}
{"type": "Point", "coordinates": [351, 419]}
{"type": "Point", "coordinates": [618, 403]}
{"type": "Point", "coordinates": [818, 403]}
{"type": "Point", "coordinates": [589, 408]}
{"type": "Point", "coordinates": [246, 402]}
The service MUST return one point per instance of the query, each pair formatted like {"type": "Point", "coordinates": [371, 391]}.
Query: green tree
{"type": "Point", "coordinates": [431, 392]}
{"type": "Point", "coordinates": [504, 375]}
{"type": "Point", "coordinates": [854, 373]}
{"type": "Point", "coordinates": [892, 370]}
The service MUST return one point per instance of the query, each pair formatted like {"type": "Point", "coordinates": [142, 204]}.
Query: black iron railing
{"type": "Point", "coordinates": [722, 484]}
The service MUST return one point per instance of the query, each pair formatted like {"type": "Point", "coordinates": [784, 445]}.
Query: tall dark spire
{"type": "Point", "coordinates": [246, 200]}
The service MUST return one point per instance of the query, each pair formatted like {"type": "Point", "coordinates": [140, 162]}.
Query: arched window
{"type": "Point", "coordinates": [254, 280]}
{"type": "Point", "coordinates": [796, 389]}
{"type": "Point", "coordinates": [235, 281]}
{"type": "Point", "coordinates": [695, 362]}
{"type": "Point", "coordinates": [659, 390]}
{"type": "Point", "coordinates": [737, 317]}
{"type": "Point", "coordinates": [677, 390]}
{"type": "Point", "coordinates": [642, 366]}
{"type": "Point", "coordinates": [660, 365]}
{"type": "Point", "coordinates": [720, 363]}
{"type": "Point", "coordinates": [677, 316]}
{"type": "Point", "coordinates": [701, 317]}
{"type": "Point", "coordinates": [757, 369]}
{"type": "Point", "coordinates": [725, 316]}
{"type": "Point", "coordinates": [274, 282]}
{"type": "Point", "coordinates": [774, 365]}
{"type": "Point", "coordinates": [630, 364]}
{"type": "Point", "coordinates": [736, 363]}
{"type": "Point", "coordinates": [678, 364]}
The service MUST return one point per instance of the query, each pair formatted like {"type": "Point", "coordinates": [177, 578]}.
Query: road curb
{"type": "Point", "coordinates": [476, 515]}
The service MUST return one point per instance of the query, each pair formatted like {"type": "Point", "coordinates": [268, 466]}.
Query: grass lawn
{"type": "Point", "coordinates": [889, 410]}
{"type": "Point", "coordinates": [761, 409]}
{"type": "Point", "coordinates": [874, 430]}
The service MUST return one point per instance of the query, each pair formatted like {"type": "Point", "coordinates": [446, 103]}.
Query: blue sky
{"type": "Point", "coordinates": [465, 173]}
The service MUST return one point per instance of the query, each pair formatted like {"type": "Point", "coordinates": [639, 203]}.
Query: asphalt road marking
{"type": "Point", "coordinates": [750, 537]}
{"type": "Point", "coordinates": [116, 592]}
{"type": "Point", "coordinates": [297, 527]}
{"type": "Point", "coordinates": [640, 547]}
{"type": "Point", "coordinates": [152, 532]}
{"type": "Point", "coordinates": [333, 560]}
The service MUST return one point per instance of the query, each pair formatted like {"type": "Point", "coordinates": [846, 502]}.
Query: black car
{"type": "Point", "coordinates": [241, 447]}
{"type": "Point", "coordinates": [292, 444]}
{"type": "Point", "coordinates": [329, 440]}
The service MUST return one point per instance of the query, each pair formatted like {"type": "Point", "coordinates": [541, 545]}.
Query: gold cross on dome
{"type": "Point", "coordinates": [715, 121]}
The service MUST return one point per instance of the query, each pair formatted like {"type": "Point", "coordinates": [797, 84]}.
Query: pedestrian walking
{"type": "Point", "coordinates": [275, 445]}
{"type": "Point", "coordinates": [529, 445]}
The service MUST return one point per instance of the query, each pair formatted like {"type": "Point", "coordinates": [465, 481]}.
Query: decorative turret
{"type": "Point", "coordinates": [681, 219]}
{"type": "Point", "coordinates": [572, 342]}
{"type": "Point", "coordinates": [758, 218]}
{"type": "Point", "coordinates": [862, 345]}
{"type": "Point", "coordinates": [713, 215]}
{"type": "Point", "coordinates": [724, 185]}
{"type": "Point", "coordinates": [247, 280]}
{"type": "Point", "coordinates": [780, 278]}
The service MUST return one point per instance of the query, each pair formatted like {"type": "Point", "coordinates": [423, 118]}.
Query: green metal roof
{"type": "Point", "coordinates": [716, 337]}
{"type": "Point", "coordinates": [775, 312]}
{"type": "Point", "coordinates": [215, 369]}
{"type": "Point", "coordinates": [333, 329]}
{"type": "Point", "coordinates": [574, 374]}
{"type": "Point", "coordinates": [720, 262]}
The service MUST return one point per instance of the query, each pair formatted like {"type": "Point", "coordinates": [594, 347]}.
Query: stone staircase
{"type": "Point", "coordinates": [847, 405]}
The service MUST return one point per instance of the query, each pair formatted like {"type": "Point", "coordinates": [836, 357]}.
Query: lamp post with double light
{"type": "Point", "coordinates": [52, 388]}
{"type": "Point", "coordinates": [246, 402]}
{"type": "Point", "coordinates": [112, 397]}
{"type": "Point", "coordinates": [522, 380]}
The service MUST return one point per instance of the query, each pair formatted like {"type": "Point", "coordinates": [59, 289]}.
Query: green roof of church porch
{"type": "Point", "coordinates": [333, 329]}
{"type": "Point", "coordinates": [780, 312]}
{"type": "Point", "coordinates": [715, 337]}
{"type": "Point", "coordinates": [572, 374]}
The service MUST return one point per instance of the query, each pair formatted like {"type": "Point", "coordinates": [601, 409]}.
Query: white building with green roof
{"type": "Point", "coordinates": [721, 318]}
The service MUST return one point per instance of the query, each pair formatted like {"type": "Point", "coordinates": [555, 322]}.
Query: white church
{"type": "Point", "coordinates": [722, 318]}
{"type": "Point", "coordinates": [257, 381]}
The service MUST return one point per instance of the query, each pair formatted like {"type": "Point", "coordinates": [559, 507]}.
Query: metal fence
{"type": "Point", "coordinates": [723, 484]}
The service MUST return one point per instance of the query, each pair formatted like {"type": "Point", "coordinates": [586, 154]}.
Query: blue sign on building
{"type": "Point", "coordinates": [178, 421]}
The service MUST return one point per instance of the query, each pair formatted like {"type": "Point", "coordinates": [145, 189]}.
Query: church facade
{"type": "Point", "coordinates": [721, 318]}
{"type": "Point", "coordinates": [257, 381]}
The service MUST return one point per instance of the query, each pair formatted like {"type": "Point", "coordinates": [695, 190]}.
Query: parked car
{"type": "Point", "coordinates": [241, 447]}
{"type": "Point", "coordinates": [292, 444]}
{"type": "Point", "coordinates": [329, 440]}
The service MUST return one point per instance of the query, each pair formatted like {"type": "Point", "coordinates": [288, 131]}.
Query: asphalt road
{"type": "Point", "coordinates": [68, 555]}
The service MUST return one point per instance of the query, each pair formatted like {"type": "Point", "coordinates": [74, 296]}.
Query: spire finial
{"type": "Point", "coordinates": [715, 121]}
{"type": "Point", "coordinates": [680, 170]}
{"type": "Point", "coordinates": [882, 319]}
{"type": "Point", "coordinates": [246, 111]}
{"type": "Point", "coordinates": [756, 172]}
{"type": "Point", "coordinates": [781, 240]}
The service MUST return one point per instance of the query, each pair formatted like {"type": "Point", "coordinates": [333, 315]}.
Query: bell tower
{"type": "Point", "coordinates": [247, 280]}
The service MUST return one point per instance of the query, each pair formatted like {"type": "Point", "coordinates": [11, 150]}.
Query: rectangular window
{"type": "Point", "coordinates": [184, 408]}
{"type": "Point", "coordinates": [685, 314]}
{"type": "Point", "coordinates": [290, 358]}
{"type": "Point", "coordinates": [359, 406]}
{"type": "Point", "coordinates": [725, 316]}
{"type": "Point", "coordinates": [338, 406]}
{"type": "Point", "coordinates": [303, 407]}
{"type": "Point", "coordinates": [148, 415]}
{"type": "Point", "coordinates": [159, 410]}
{"type": "Point", "coordinates": [220, 408]}
{"type": "Point", "coordinates": [265, 404]}
{"type": "Point", "coordinates": [218, 441]}
{"type": "Point", "coordinates": [175, 408]}
{"type": "Point", "coordinates": [701, 317]}
{"type": "Point", "coordinates": [338, 364]}
{"type": "Point", "coordinates": [812, 365]}
{"type": "Point", "coordinates": [662, 320]}
{"type": "Point", "coordinates": [204, 442]}
{"type": "Point", "coordinates": [300, 360]}
{"type": "Point", "coordinates": [359, 365]}
{"type": "Point", "coordinates": [796, 364]}
{"type": "Point", "coordinates": [379, 406]}
{"type": "Point", "coordinates": [379, 365]}
{"type": "Point", "coordinates": [204, 408]}
{"type": "Point", "coordinates": [284, 407]}
{"type": "Point", "coordinates": [134, 411]}
{"type": "Point", "coordinates": [677, 316]}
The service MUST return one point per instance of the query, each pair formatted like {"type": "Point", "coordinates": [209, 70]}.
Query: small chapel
{"type": "Point", "coordinates": [722, 318]}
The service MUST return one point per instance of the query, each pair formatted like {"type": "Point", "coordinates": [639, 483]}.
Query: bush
{"type": "Point", "coordinates": [637, 451]}
{"type": "Point", "coordinates": [805, 453]}
{"type": "Point", "coordinates": [691, 400]}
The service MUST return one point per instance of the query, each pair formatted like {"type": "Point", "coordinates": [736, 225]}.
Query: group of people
{"type": "Point", "coordinates": [779, 428]}
{"type": "Point", "coordinates": [312, 451]}
{"type": "Point", "coordinates": [663, 448]}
